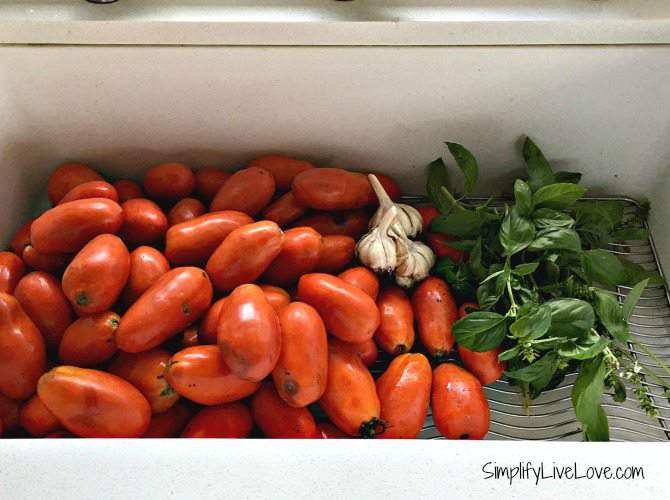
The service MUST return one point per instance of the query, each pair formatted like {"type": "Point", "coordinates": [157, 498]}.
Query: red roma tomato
{"type": "Point", "coordinates": [395, 334]}
{"type": "Point", "coordinates": [208, 181]}
{"type": "Point", "coordinates": [21, 238]}
{"type": "Point", "coordinates": [248, 190]}
{"type": "Point", "coordinates": [175, 301]}
{"type": "Point", "coordinates": [42, 298]}
{"type": "Point", "coordinates": [46, 262]}
{"type": "Point", "coordinates": [9, 413]}
{"type": "Point", "coordinates": [194, 241]}
{"type": "Point", "coordinates": [367, 351]}
{"type": "Point", "coordinates": [352, 223]}
{"type": "Point", "coordinates": [170, 423]}
{"type": "Point", "coordinates": [37, 419]}
{"type": "Point", "coordinates": [284, 210]}
{"type": "Point", "coordinates": [244, 255]}
{"type": "Point", "coordinates": [190, 337]}
{"type": "Point", "coordinates": [439, 242]}
{"type": "Point", "coordinates": [326, 430]}
{"type": "Point", "coordinates": [362, 278]}
{"type": "Point", "coordinates": [331, 189]}
{"type": "Point", "coordinates": [143, 222]}
{"type": "Point", "coordinates": [466, 308]}
{"type": "Point", "coordinates": [127, 190]}
{"type": "Point", "coordinates": [169, 181]}
{"type": "Point", "coordinates": [299, 255]}
{"type": "Point", "coordinates": [300, 373]}
{"type": "Point", "coordinates": [96, 276]}
{"type": "Point", "coordinates": [22, 351]}
{"type": "Point", "coordinates": [91, 189]}
{"type": "Point", "coordinates": [146, 372]}
{"type": "Point", "coordinates": [185, 210]}
{"type": "Point", "coordinates": [200, 374]}
{"type": "Point", "coordinates": [348, 312]}
{"type": "Point", "coordinates": [12, 270]}
{"type": "Point", "coordinates": [232, 420]}
{"type": "Point", "coordinates": [249, 333]}
{"type": "Point", "coordinates": [350, 400]}
{"type": "Point", "coordinates": [483, 365]}
{"type": "Point", "coordinates": [390, 186]}
{"type": "Point", "coordinates": [89, 340]}
{"type": "Point", "coordinates": [404, 394]}
{"type": "Point", "coordinates": [277, 297]}
{"type": "Point", "coordinates": [283, 169]}
{"type": "Point", "coordinates": [95, 404]}
{"type": "Point", "coordinates": [207, 333]}
{"type": "Point", "coordinates": [435, 312]}
{"type": "Point", "coordinates": [147, 265]}
{"type": "Point", "coordinates": [276, 419]}
{"type": "Point", "coordinates": [460, 408]}
{"type": "Point", "coordinates": [68, 227]}
{"type": "Point", "coordinates": [336, 253]}
{"type": "Point", "coordinates": [68, 176]}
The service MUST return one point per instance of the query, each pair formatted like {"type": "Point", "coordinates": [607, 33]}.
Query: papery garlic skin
{"type": "Point", "coordinates": [415, 261]}
{"type": "Point", "coordinates": [408, 221]}
{"type": "Point", "coordinates": [377, 249]}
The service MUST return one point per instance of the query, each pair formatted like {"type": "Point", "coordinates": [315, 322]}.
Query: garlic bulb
{"type": "Point", "coordinates": [377, 249]}
{"type": "Point", "coordinates": [414, 261]}
{"type": "Point", "coordinates": [408, 220]}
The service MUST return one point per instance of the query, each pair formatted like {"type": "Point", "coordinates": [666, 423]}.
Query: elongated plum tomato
{"type": "Point", "coordinates": [395, 334]}
{"type": "Point", "coordinates": [367, 350]}
{"type": "Point", "coordinates": [185, 210]}
{"type": "Point", "coordinates": [460, 408]}
{"type": "Point", "coordinates": [143, 222]}
{"type": "Point", "coordinates": [326, 430]}
{"type": "Point", "coordinates": [193, 242]}
{"type": "Point", "coordinates": [299, 254]}
{"type": "Point", "coordinates": [208, 181]}
{"type": "Point", "coordinates": [147, 265]}
{"type": "Point", "coordinates": [248, 190]}
{"type": "Point", "coordinates": [96, 276]}
{"type": "Point", "coordinates": [200, 374]}
{"type": "Point", "coordinates": [435, 312]}
{"type": "Point", "coordinates": [9, 413]}
{"type": "Point", "coordinates": [67, 176]}
{"type": "Point", "coordinates": [169, 181]}
{"type": "Point", "coordinates": [12, 270]}
{"type": "Point", "coordinates": [37, 419]}
{"type": "Point", "coordinates": [42, 298]}
{"type": "Point", "coordinates": [170, 423]}
{"type": "Point", "coordinates": [350, 399]}
{"type": "Point", "coordinates": [190, 337]}
{"type": "Point", "coordinates": [244, 255]}
{"type": "Point", "coordinates": [207, 332]}
{"type": "Point", "coordinates": [483, 365]}
{"type": "Point", "coordinates": [89, 340]}
{"type": "Point", "coordinates": [439, 243]}
{"type": "Point", "coordinates": [347, 311]}
{"type": "Point", "coordinates": [336, 253]}
{"type": "Point", "coordinates": [277, 297]}
{"type": "Point", "coordinates": [232, 420]}
{"type": "Point", "coordinates": [146, 371]}
{"type": "Point", "coordinates": [22, 350]}
{"type": "Point", "coordinates": [300, 373]}
{"type": "Point", "coordinates": [284, 210]}
{"type": "Point", "coordinates": [352, 223]}
{"type": "Point", "coordinates": [21, 238]}
{"type": "Point", "coordinates": [91, 189]}
{"type": "Point", "coordinates": [45, 262]}
{"type": "Point", "coordinates": [331, 189]}
{"type": "Point", "coordinates": [276, 419]}
{"type": "Point", "coordinates": [175, 301]}
{"type": "Point", "coordinates": [282, 168]}
{"type": "Point", "coordinates": [127, 190]}
{"type": "Point", "coordinates": [404, 394]}
{"type": "Point", "coordinates": [362, 278]}
{"type": "Point", "coordinates": [95, 404]}
{"type": "Point", "coordinates": [68, 227]}
{"type": "Point", "coordinates": [249, 333]}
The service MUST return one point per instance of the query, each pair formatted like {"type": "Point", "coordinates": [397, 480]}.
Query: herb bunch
{"type": "Point", "coordinates": [544, 281]}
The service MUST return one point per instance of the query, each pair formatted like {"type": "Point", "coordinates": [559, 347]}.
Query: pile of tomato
{"type": "Point", "coordinates": [210, 304]}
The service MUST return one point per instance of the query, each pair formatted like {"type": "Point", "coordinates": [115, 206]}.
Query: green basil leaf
{"type": "Point", "coordinates": [480, 331]}
{"type": "Point", "coordinates": [516, 232]}
{"type": "Point", "coordinates": [539, 171]}
{"type": "Point", "coordinates": [619, 389]}
{"type": "Point", "coordinates": [586, 395]}
{"type": "Point", "coordinates": [509, 353]}
{"type": "Point", "coordinates": [438, 177]}
{"type": "Point", "coordinates": [586, 348]}
{"type": "Point", "coordinates": [467, 163]}
{"type": "Point", "coordinates": [458, 276]}
{"type": "Point", "coordinates": [475, 260]}
{"type": "Point", "coordinates": [556, 239]}
{"type": "Point", "coordinates": [572, 177]}
{"type": "Point", "coordinates": [603, 267]}
{"type": "Point", "coordinates": [570, 317]}
{"type": "Point", "coordinates": [634, 273]}
{"type": "Point", "coordinates": [465, 245]}
{"type": "Point", "coordinates": [604, 214]}
{"type": "Point", "coordinates": [610, 313]}
{"type": "Point", "coordinates": [544, 218]}
{"type": "Point", "coordinates": [630, 233]}
{"type": "Point", "coordinates": [559, 195]}
{"type": "Point", "coordinates": [525, 269]}
{"type": "Point", "coordinates": [533, 325]}
{"type": "Point", "coordinates": [523, 197]}
{"type": "Point", "coordinates": [459, 223]}
{"type": "Point", "coordinates": [633, 298]}
{"type": "Point", "coordinates": [540, 369]}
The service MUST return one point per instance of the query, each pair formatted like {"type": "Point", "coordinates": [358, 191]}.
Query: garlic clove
{"type": "Point", "coordinates": [377, 249]}
{"type": "Point", "coordinates": [408, 221]}
{"type": "Point", "coordinates": [415, 261]}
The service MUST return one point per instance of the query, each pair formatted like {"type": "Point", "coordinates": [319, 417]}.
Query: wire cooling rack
{"type": "Point", "coordinates": [550, 416]}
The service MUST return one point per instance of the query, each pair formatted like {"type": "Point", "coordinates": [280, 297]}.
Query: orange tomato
{"type": "Point", "coordinates": [89, 340]}
{"type": "Point", "coordinates": [282, 168]}
{"type": "Point", "coordinates": [277, 297]}
{"type": "Point", "coordinates": [347, 311]}
{"type": "Point", "coordinates": [91, 189]}
{"type": "Point", "coordinates": [92, 403]}
{"type": "Point", "coordinates": [483, 365]}
{"type": "Point", "coordinates": [194, 241]}
{"type": "Point", "coordinates": [207, 333]}
{"type": "Point", "coordinates": [284, 210]}
{"type": "Point", "coordinates": [331, 189]}
{"type": "Point", "coordinates": [336, 253]}
{"type": "Point", "coordinates": [68, 176]}
{"type": "Point", "coordinates": [22, 350]}
{"type": "Point", "coordinates": [190, 337]}
{"type": "Point", "coordinates": [249, 333]}
{"type": "Point", "coordinates": [12, 270]}
{"type": "Point", "coordinates": [68, 227]}
{"type": "Point", "coordinates": [460, 408]}
{"type": "Point", "coordinates": [9, 413]}
{"type": "Point", "coordinates": [21, 238]}
{"type": "Point", "coordinates": [404, 394]}
{"type": "Point", "coordinates": [362, 278]}
{"type": "Point", "coordinates": [435, 312]}
{"type": "Point", "coordinates": [168, 424]}
{"type": "Point", "coordinates": [185, 210]}
{"type": "Point", "coordinates": [395, 334]}
{"type": "Point", "coordinates": [200, 374]}
{"type": "Point", "coordinates": [96, 276]}
{"type": "Point", "coordinates": [208, 181]}
{"type": "Point", "coordinates": [367, 351]}
{"type": "Point", "coordinates": [352, 223]}
{"type": "Point", "coordinates": [147, 265]}
{"type": "Point", "coordinates": [276, 419]}
{"type": "Point", "coordinates": [390, 186]}
{"type": "Point", "coordinates": [232, 420]}
{"type": "Point", "coordinates": [42, 298]}
{"type": "Point", "coordinates": [146, 371]}
{"type": "Point", "coordinates": [127, 190]}
{"type": "Point", "coordinates": [37, 419]}
{"type": "Point", "coordinates": [439, 242]}
{"type": "Point", "coordinates": [169, 181]}
{"type": "Point", "coordinates": [326, 430]}
{"type": "Point", "coordinates": [299, 254]}
{"type": "Point", "coordinates": [143, 222]}
{"type": "Point", "coordinates": [244, 255]}
{"type": "Point", "coordinates": [176, 300]}
{"type": "Point", "coordinates": [46, 262]}
{"type": "Point", "coordinates": [300, 373]}
{"type": "Point", "coordinates": [248, 190]}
